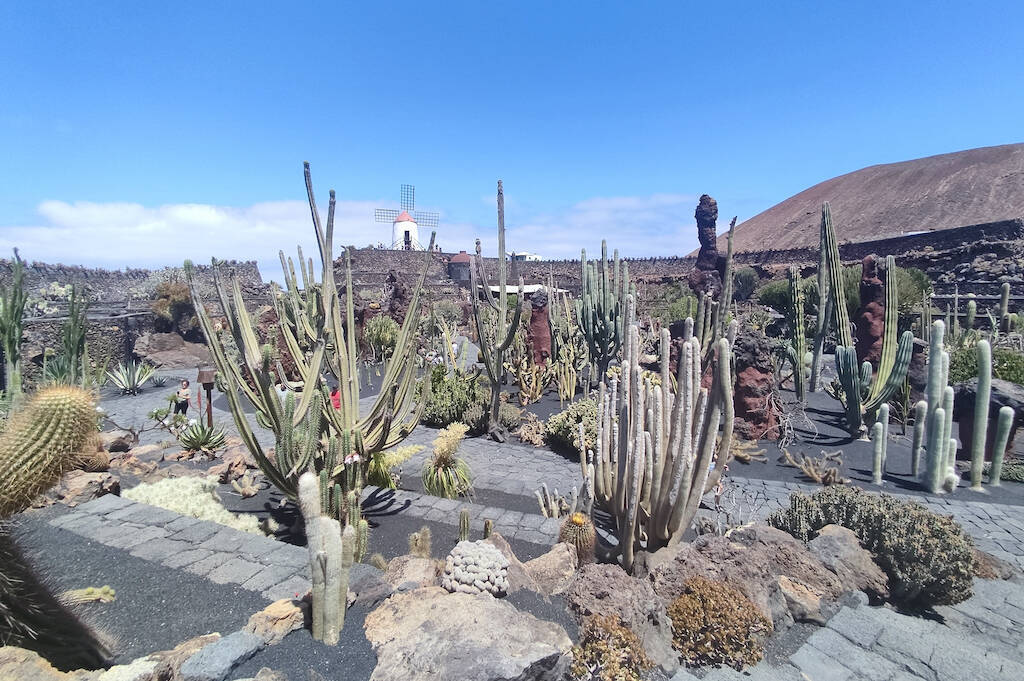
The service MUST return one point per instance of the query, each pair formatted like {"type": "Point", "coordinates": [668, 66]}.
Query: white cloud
{"type": "Point", "coordinates": [118, 235]}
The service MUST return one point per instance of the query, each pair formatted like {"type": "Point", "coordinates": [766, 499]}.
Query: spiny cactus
{"type": "Point", "coordinates": [662, 453]}
{"type": "Point", "coordinates": [1003, 423]}
{"type": "Point", "coordinates": [920, 419]}
{"type": "Point", "coordinates": [1004, 306]}
{"type": "Point", "coordinates": [939, 416]}
{"type": "Point", "coordinates": [419, 543]}
{"type": "Point", "coordinates": [318, 327]}
{"type": "Point", "coordinates": [601, 308]}
{"type": "Point", "coordinates": [494, 356]}
{"type": "Point", "coordinates": [476, 567]}
{"type": "Point", "coordinates": [981, 402]}
{"type": "Point", "coordinates": [578, 530]}
{"type": "Point", "coordinates": [488, 528]}
{"type": "Point", "coordinates": [880, 441]}
{"type": "Point", "coordinates": [797, 350]}
{"type": "Point", "coordinates": [463, 525]}
{"type": "Point", "coordinates": [43, 440]}
{"type": "Point", "coordinates": [12, 316]}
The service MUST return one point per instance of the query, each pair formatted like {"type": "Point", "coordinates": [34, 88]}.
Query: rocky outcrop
{"type": "Point", "coordinates": [77, 487]}
{"type": "Point", "coordinates": [554, 571]}
{"type": "Point", "coordinates": [540, 330]}
{"type": "Point", "coordinates": [405, 572]}
{"type": "Point", "coordinates": [1004, 394]}
{"type": "Point", "coordinates": [706, 276]}
{"type": "Point", "coordinates": [608, 590]}
{"type": "Point", "coordinates": [236, 459]}
{"type": "Point", "coordinates": [756, 411]}
{"type": "Point", "coordinates": [840, 551]}
{"type": "Point", "coordinates": [774, 570]}
{"type": "Point", "coordinates": [277, 620]}
{"type": "Point", "coordinates": [171, 351]}
{"type": "Point", "coordinates": [431, 634]}
{"type": "Point", "coordinates": [870, 319]}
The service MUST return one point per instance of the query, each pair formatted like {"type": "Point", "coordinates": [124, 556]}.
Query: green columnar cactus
{"type": "Point", "coordinates": [658, 451]}
{"type": "Point", "coordinates": [981, 402]}
{"type": "Point", "coordinates": [12, 316]}
{"type": "Point", "coordinates": [822, 321]}
{"type": "Point", "coordinates": [880, 440]}
{"type": "Point", "coordinates": [1004, 306]}
{"type": "Point", "coordinates": [972, 314]}
{"type": "Point", "coordinates": [925, 323]}
{"type": "Point", "coordinates": [488, 528]}
{"type": "Point", "coordinates": [321, 338]}
{"type": "Point", "coordinates": [601, 308]}
{"type": "Point", "coordinates": [43, 440]}
{"type": "Point", "coordinates": [1003, 423]}
{"type": "Point", "coordinates": [956, 312]}
{"type": "Point", "coordinates": [920, 417]}
{"type": "Point", "coordinates": [331, 554]}
{"type": "Point", "coordinates": [938, 395]}
{"type": "Point", "coordinates": [722, 317]}
{"type": "Point", "coordinates": [494, 356]}
{"type": "Point", "coordinates": [463, 525]}
{"type": "Point", "coordinates": [797, 350]}
{"type": "Point", "coordinates": [362, 546]}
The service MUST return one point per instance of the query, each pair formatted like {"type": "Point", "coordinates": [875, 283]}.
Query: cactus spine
{"type": "Point", "coordinates": [656, 447]}
{"type": "Point", "coordinates": [319, 333]}
{"type": "Point", "coordinates": [331, 554]}
{"type": "Point", "coordinates": [1005, 420]}
{"type": "Point", "coordinates": [601, 308]}
{"type": "Point", "coordinates": [463, 525]}
{"type": "Point", "coordinates": [578, 530]}
{"type": "Point", "coordinates": [494, 356]}
{"type": "Point", "coordinates": [42, 441]}
{"type": "Point", "coordinates": [797, 350]}
{"type": "Point", "coordinates": [981, 402]}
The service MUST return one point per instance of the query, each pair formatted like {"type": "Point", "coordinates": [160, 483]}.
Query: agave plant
{"type": "Point", "coordinates": [129, 377]}
{"type": "Point", "coordinates": [445, 474]}
{"type": "Point", "coordinates": [201, 438]}
{"type": "Point", "coordinates": [158, 381]}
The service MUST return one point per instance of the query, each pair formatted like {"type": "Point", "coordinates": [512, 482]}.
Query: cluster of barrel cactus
{"type": "Point", "coordinates": [476, 567]}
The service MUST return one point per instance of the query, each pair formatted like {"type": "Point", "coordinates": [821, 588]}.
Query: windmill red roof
{"type": "Point", "coordinates": [404, 217]}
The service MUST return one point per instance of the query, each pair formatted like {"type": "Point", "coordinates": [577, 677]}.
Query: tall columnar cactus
{"type": "Point", "coordinates": [464, 525]}
{"type": "Point", "coordinates": [331, 554]}
{"type": "Point", "coordinates": [939, 416]}
{"type": "Point", "coordinates": [880, 442]}
{"type": "Point", "coordinates": [1003, 424]}
{"type": "Point", "coordinates": [721, 322]}
{"type": "Point", "coordinates": [981, 402]}
{"type": "Point", "coordinates": [797, 350]}
{"type": "Point", "coordinates": [862, 395]}
{"type": "Point", "coordinates": [321, 339]}
{"type": "Point", "coordinates": [601, 308]}
{"type": "Point", "coordinates": [12, 316]}
{"type": "Point", "coordinates": [42, 441]}
{"type": "Point", "coordinates": [821, 324]}
{"type": "Point", "coordinates": [1004, 306]}
{"type": "Point", "coordinates": [494, 355]}
{"type": "Point", "coordinates": [920, 418]}
{"type": "Point", "coordinates": [925, 323]}
{"type": "Point", "coordinates": [658, 451]}
{"type": "Point", "coordinates": [972, 314]}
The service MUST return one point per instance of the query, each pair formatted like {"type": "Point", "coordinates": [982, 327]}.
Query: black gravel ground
{"type": "Point", "coordinates": [156, 608]}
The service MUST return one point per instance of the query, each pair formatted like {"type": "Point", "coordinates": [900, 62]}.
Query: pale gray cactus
{"type": "Point", "coordinates": [476, 567]}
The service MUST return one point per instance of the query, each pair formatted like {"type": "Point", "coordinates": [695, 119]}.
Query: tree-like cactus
{"type": "Point", "coordinates": [493, 356]}
{"type": "Point", "coordinates": [601, 308]}
{"type": "Point", "coordinates": [655, 447]}
{"type": "Point", "coordinates": [981, 401]}
{"type": "Point", "coordinates": [12, 316]}
{"type": "Point", "coordinates": [797, 350]}
{"type": "Point", "coordinates": [578, 530]}
{"type": "Point", "coordinates": [1003, 423]}
{"type": "Point", "coordinates": [43, 440]}
{"type": "Point", "coordinates": [318, 326]}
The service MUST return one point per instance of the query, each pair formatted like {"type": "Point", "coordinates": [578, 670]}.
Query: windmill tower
{"type": "Point", "coordinates": [405, 223]}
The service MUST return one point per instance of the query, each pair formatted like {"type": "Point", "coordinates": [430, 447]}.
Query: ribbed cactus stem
{"type": "Point", "coordinates": [920, 418]}
{"type": "Point", "coordinates": [935, 471]}
{"type": "Point", "coordinates": [464, 525]}
{"type": "Point", "coordinates": [883, 418]}
{"type": "Point", "coordinates": [349, 541]}
{"type": "Point", "coordinates": [330, 560]}
{"type": "Point", "coordinates": [1003, 423]}
{"type": "Point", "coordinates": [981, 402]}
{"type": "Point", "coordinates": [797, 350]}
{"type": "Point", "coordinates": [1004, 301]}
{"type": "Point", "coordinates": [878, 445]}
{"type": "Point", "coordinates": [354, 509]}
{"type": "Point", "coordinates": [972, 313]}
{"type": "Point", "coordinates": [488, 528]}
{"type": "Point", "coordinates": [363, 540]}
{"type": "Point", "coordinates": [947, 427]}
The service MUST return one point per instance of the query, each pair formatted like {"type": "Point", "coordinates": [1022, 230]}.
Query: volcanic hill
{"type": "Point", "coordinates": [895, 199]}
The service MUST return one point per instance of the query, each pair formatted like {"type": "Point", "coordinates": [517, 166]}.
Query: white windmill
{"type": "Point", "coordinates": [405, 223]}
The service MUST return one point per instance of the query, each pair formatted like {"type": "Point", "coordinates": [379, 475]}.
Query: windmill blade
{"type": "Point", "coordinates": [426, 219]}
{"type": "Point", "coordinates": [385, 215]}
{"type": "Point", "coordinates": [408, 197]}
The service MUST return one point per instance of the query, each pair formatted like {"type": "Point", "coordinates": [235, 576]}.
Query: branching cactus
{"type": "Point", "coordinates": [658, 451]}
{"type": "Point", "coordinates": [318, 326]}
{"type": "Point", "coordinates": [494, 355]}
{"type": "Point", "coordinates": [797, 350]}
{"type": "Point", "coordinates": [331, 554]}
{"type": "Point", "coordinates": [43, 440]}
{"type": "Point", "coordinates": [938, 422]}
{"type": "Point", "coordinates": [601, 308]}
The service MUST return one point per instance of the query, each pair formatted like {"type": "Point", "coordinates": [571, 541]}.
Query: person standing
{"type": "Point", "coordinates": [335, 397]}
{"type": "Point", "coordinates": [181, 398]}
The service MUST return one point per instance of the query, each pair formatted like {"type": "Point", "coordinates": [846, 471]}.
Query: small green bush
{"type": "Point", "coordinates": [451, 394]}
{"type": "Point", "coordinates": [714, 623]}
{"type": "Point", "coordinates": [475, 417]}
{"type": "Point", "coordinates": [381, 335]}
{"type": "Point", "coordinates": [608, 651]}
{"type": "Point", "coordinates": [928, 557]}
{"type": "Point", "coordinates": [744, 283]}
{"type": "Point", "coordinates": [1007, 365]}
{"type": "Point", "coordinates": [562, 429]}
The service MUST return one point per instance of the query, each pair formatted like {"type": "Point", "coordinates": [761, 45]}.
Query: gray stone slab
{"type": "Point", "coordinates": [180, 523]}
{"type": "Point", "coordinates": [226, 539]}
{"type": "Point", "coordinates": [234, 571]}
{"type": "Point", "coordinates": [293, 587]}
{"type": "Point", "coordinates": [108, 503]}
{"type": "Point", "coordinates": [133, 537]}
{"type": "Point", "coordinates": [211, 562]}
{"type": "Point", "coordinates": [268, 577]}
{"type": "Point", "coordinates": [819, 666]}
{"type": "Point", "coordinates": [198, 532]}
{"type": "Point", "coordinates": [858, 625]}
{"type": "Point", "coordinates": [255, 546]}
{"type": "Point", "coordinates": [159, 548]}
{"type": "Point", "coordinates": [180, 560]}
{"type": "Point", "coordinates": [866, 663]}
{"type": "Point", "coordinates": [214, 661]}
{"type": "Point", "coordinates": [286, 554]}
{"type": "Point", "coordinates": [152, 515]}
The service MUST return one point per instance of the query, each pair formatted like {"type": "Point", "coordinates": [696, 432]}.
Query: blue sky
{"type": "Point", "coordinates": [142, 133]}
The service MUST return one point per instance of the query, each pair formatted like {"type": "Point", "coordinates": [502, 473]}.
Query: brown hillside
{"type": "Point", "coordinates": [926, 194]}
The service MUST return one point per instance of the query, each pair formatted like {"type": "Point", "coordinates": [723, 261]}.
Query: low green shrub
{"type": "Point", "coordinates": [714, 623]}
{"type": "Point", "coordinates": [475, 417]}
{"type": "Point", "coordinates": [928, 557]}
{"type": "Point", "coordinates": [445, 474]}
{"type": "Point", "coordinates": [562, 431]}
{"type": "Point", "coordinates": [381, 335]}
{"type": "Point", "coordinates": [1007, 365]}
{"type": "Point", "coordinates": [608, 651]}
{"type": "Point", "coordinates": [744, 283]}
{"type": "Point", "coordinates": [451, 394]}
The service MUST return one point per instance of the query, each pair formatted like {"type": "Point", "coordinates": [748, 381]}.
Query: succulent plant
{"type": "Point", "coordinates": [476, 567]}
{"type": "Point", "coordinates": [578, 530]}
